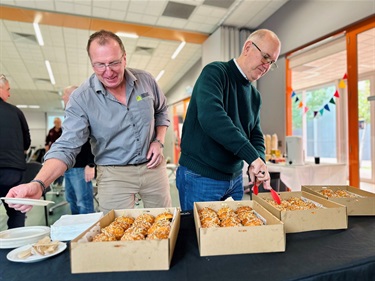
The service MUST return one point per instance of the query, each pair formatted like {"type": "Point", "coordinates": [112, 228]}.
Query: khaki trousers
{"type": "Point", "coordinates": [118, 185]}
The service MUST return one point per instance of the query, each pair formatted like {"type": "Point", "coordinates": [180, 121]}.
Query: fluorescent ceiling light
{"type": "Point", "coordinates": [62, 104]}
{"type": "Point", "coordinates": [127, 35]}
{"type": "Point", "coordinates": [38, 34]}
{"type": "Point", "coordinates": [27, 106]}
{"type": "Point", "coordinates": [161, 73]}
{"type": "Point", "coordinates": [178, 50]}
{"type": "Point", "coordinates": [49, 69]}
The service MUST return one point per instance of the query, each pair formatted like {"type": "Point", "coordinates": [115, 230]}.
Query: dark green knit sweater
{"type": "Point", "coordinates": [222, 125]}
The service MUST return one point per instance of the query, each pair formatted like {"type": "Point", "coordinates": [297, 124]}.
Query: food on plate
{"type": "Point", "coordinates": [25, 254]}
{"type": "Point", "coordinates": [43, 247]}
{"type": "Point", "coordinates": [227, 217]}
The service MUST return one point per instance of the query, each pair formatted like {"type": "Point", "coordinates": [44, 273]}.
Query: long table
{"type": "Point", "coordinates": [333, 255]}
{"type": "Point", "coordinates": [293, 176]}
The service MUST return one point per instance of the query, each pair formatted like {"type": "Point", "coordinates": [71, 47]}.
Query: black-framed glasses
{"type": "Point", "coordinates": [266, 58]}
{"type": "Point", "coordinates": [114, 65]}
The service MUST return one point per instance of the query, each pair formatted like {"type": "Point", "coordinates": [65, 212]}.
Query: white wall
{"type": "Point", "coordinates": [37, 126]}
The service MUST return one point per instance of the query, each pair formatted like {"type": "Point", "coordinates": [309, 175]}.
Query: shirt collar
{"type": "Point", "coordinates": [129, 78]}
{"type": "Point", "coordinates": [239, 68]}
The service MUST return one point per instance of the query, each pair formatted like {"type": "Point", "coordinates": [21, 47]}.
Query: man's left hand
{"type": "Point", "coordinates": [155, 155]}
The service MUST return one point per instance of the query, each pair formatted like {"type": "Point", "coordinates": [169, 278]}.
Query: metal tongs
{"type": "Point", "coordinates": [274, 194]}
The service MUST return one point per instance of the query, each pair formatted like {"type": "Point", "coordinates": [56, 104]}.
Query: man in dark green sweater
{"type": "Point", "coordinates": [222, 126]}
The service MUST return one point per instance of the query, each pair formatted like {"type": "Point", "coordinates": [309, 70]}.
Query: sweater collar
{"type": "Point", "coordinates": [238, 72]}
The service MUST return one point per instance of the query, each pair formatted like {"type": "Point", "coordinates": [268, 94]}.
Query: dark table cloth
{"type": "Point", "coordinates": [334, 255]}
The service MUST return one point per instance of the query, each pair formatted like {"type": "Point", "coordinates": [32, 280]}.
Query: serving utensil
{"type": "Point", "coordinates": [255, 189]}
{"type": "Point", "coordinates": [275, 196]}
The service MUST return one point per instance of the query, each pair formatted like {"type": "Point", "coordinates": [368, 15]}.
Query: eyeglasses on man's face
{"type": "Point", "coordinates": [114, 65]}
{"type": "Point", "coordinates": [266, 58]}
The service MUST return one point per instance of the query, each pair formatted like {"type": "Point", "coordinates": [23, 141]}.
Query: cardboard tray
{"type": "Point", "coordinates": [363, 205]}
{"type": "Point", "coordinates": [239, 240]}
{"type": "Point", "coordinates": [332, 216]}
{"type": "Point", "coordinates": [124, 255]}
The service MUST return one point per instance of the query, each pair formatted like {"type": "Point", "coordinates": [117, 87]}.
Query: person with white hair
{"type": "Point", "coordinates": [222, 125]}
{"type": "Point", "coordinates": [14, 142]}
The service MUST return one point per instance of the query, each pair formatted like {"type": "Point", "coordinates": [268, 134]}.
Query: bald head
{"type": "Point", "coordinates": [259, 52]}
{"type": "Point", "coordinates": [67, 92]}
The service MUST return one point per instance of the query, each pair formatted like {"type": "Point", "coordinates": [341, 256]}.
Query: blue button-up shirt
{"type": "Point", "coordinates": [119, 134]}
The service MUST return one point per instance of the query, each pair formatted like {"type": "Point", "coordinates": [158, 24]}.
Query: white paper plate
{"type": "Point", "coordinates": [13, 255]}
{"type": "Point", "coordinates": [27, 201]}
{"type": "Point", "coordinates": [20, 236]}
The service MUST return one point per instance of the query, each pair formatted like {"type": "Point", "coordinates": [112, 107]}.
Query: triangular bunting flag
{"type": "Point", "coordinates": [345, 76]}
{"type": "Point", "coordinates": [337, 95]}
{"type": "Point", "coordinates": [342, 84]}
{"type": "Point", "coordinates": [297, 99]}
{"type": "Point", "coordinates": [300, 105]}
{"type": "Point", "coordinates": [293, 94]}
{"type": "Point", "coordinates": [315, 113]}
{"type": "Point", "coordinates": [332, 101]}
{"type": "Point", "coordinates": [326, 107]}
{"type": "Point", "coordinates": [321, 111]}
{"type": "Point", "coordinates": [306, 109]}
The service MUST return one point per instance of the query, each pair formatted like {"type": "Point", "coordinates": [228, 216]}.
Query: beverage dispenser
{"type": "Point", "coordinates": [294, 150]}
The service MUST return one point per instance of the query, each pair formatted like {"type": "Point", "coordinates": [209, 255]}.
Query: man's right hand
{"type": "Point", "coordinates": [29, 190]}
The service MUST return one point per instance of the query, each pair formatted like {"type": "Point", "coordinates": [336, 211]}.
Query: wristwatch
{"type": "Point", "coordinates": [91, 165]}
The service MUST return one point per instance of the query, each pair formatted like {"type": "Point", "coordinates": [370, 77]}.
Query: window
{"type": "Point", "coordinates": [314, 119]}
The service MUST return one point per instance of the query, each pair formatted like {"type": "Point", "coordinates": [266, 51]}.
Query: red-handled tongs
{"type": "Point", "coordinates": [274, 194]}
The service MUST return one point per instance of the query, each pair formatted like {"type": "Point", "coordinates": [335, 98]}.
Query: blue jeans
{"type": "Point", "coordinates": [78, 192]}
{"type": "Point", "coordinates": [193, 187]}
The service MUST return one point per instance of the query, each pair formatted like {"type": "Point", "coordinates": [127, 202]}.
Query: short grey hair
{"type": "Point", "coordinates": [3, 79]}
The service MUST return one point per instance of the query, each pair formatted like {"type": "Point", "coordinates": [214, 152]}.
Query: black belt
{"type": "Point", "coordinates": [127, 165]}
{"type": "Point", "coordinates": [137, 164]}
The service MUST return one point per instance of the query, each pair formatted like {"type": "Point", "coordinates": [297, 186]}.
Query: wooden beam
{"type": "Point", "coordinates": [95, 24]}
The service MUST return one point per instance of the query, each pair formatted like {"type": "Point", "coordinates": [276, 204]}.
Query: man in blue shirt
{"type": "Point", "coordinates": [124, 113]}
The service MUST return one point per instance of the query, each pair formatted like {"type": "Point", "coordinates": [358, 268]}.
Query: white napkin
{"type": "Point", "coordinates": [69, 227]}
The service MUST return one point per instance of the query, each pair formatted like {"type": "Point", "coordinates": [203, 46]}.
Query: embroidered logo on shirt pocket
{"type": "Point", "coordinates": [142, 96]}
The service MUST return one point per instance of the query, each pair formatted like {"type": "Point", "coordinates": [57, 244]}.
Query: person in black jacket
{"type": "Point", "coordinates": [78, 185]}
{"type": "Point", "coordinates": [14, 142]}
